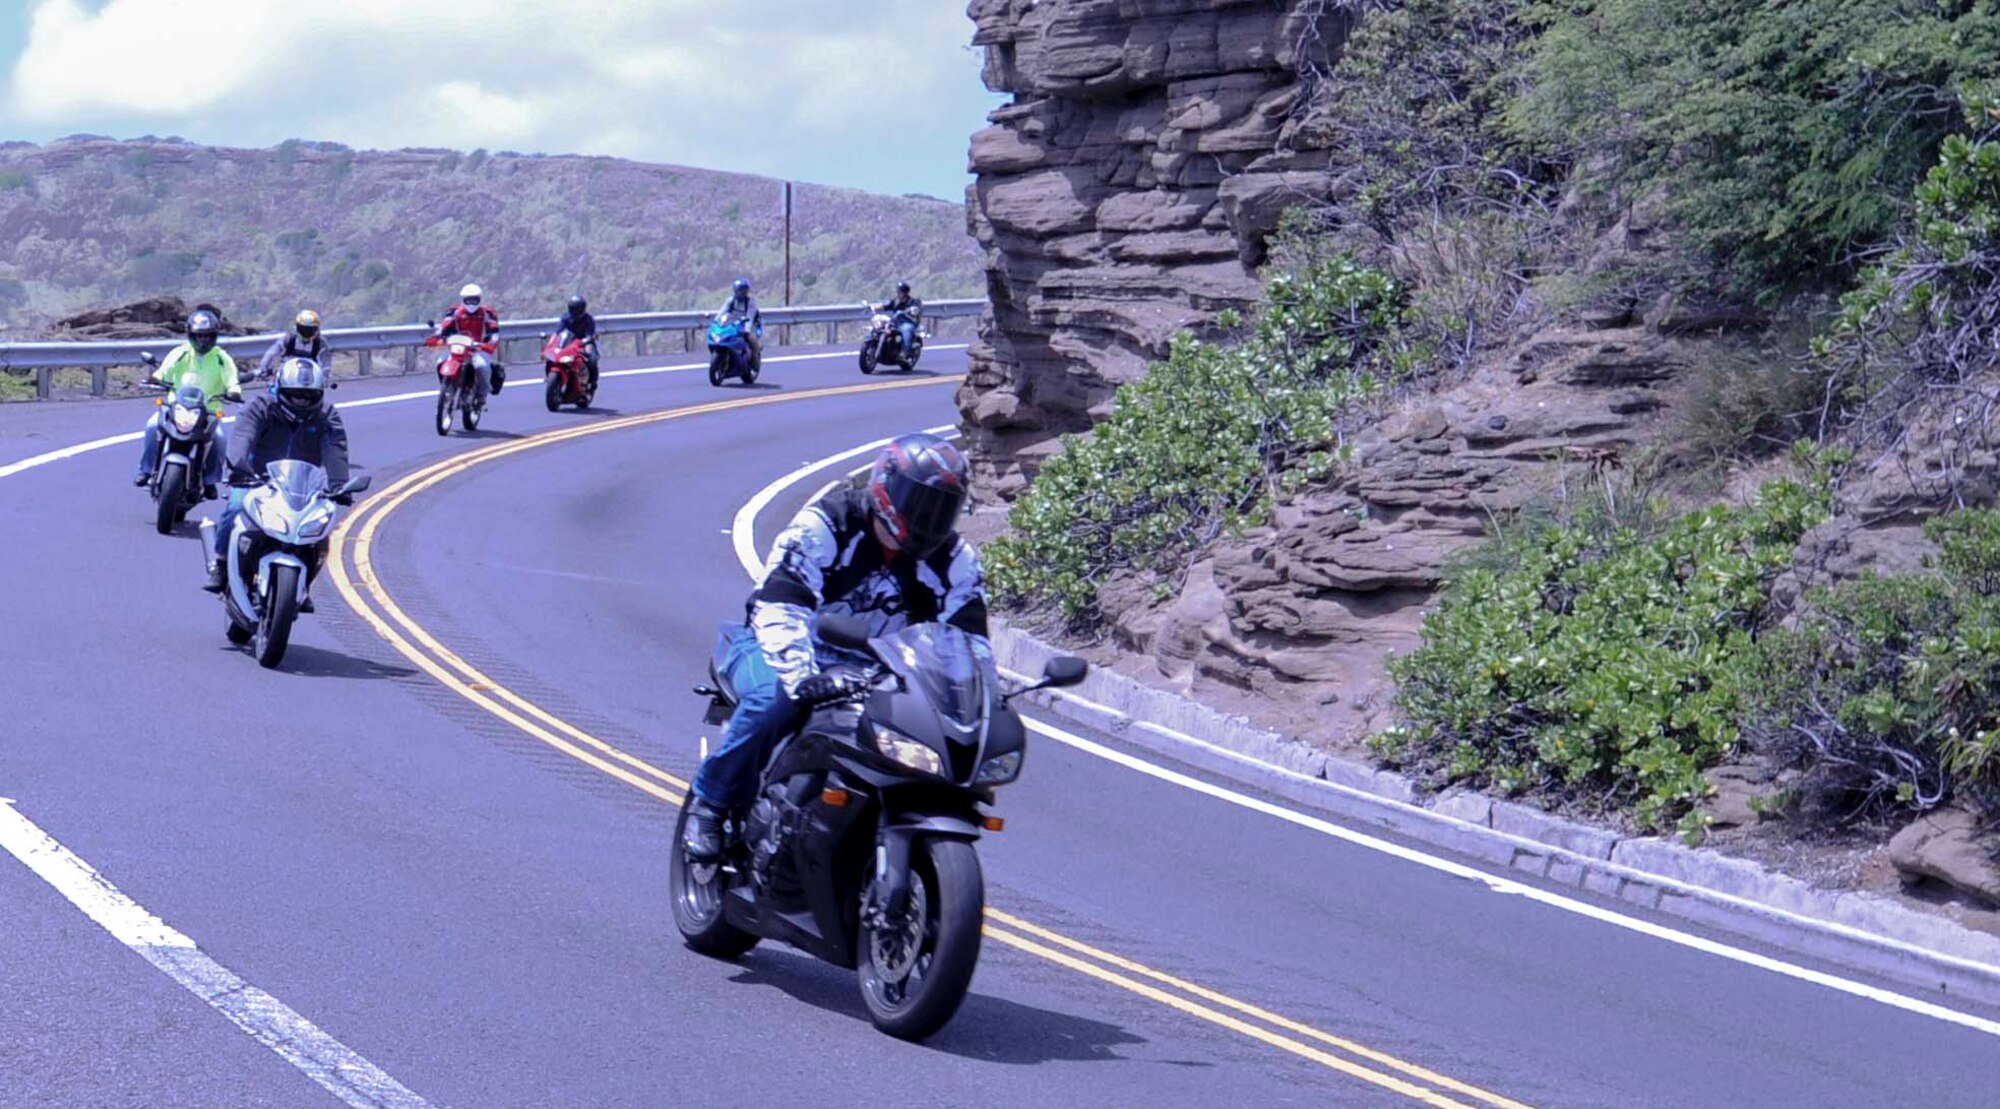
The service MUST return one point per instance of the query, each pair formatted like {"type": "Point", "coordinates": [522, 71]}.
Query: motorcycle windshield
{"type": "Point", "coordinates": [299, 483]}
{"type": "Point", "coordinates": [191, 396]}
{"type": "Point", "coordinates": [941, 661]}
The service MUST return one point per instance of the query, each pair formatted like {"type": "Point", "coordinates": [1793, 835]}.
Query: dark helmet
{"type": "Point", "coordinates": [902, 288]}
{"type": "Point", "coordinates": [203, 324]}
{"type": "Point", "coordinates": [918, 487]}
{"type": "Point", "coordinates": [301, 385]}
{"type": "Point", "coordinates": [577, 305]}
{"type": "Point", "coordinates": [306, 323]}
{"type": "Point", "coordinates": [742, 287]}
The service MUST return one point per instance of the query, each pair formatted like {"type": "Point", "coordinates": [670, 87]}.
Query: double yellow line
{"type": "Point", "coordinates": [354, 575]}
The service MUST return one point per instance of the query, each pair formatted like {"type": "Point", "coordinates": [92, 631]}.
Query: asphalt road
{"type": "Point", "coordinates": [483, 915]}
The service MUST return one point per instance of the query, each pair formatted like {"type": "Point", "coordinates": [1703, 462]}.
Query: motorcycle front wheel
{"type": "Point", "coordinates": [697, 891]}
{"type": "Point", "coordinates": [914, 978]}
{"type": "Point", "coordinates": [552, 391]}
{"type": "Point", "coordinates": [167, 498]}
{"type": "Point", "coordinates": [444, 411]}
{"type": "Point", "coordinates": [281, 607]}
{"type": "Point", "coordinates": [868, 358]}
{"type": "Point", "coordinates": [718, 368]}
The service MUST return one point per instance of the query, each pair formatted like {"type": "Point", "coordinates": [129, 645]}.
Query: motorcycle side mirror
{"type": "Point", "coordinates": [356, 484]}
{"type": "Point", "coordinates": [1060, 672]}
{"type": "Point", "coordinates": [149, 358]}
{"type": "Point", "coordinates": [842, 631]}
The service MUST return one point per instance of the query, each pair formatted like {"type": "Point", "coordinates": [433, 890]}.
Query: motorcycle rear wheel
{"type": "Point", "coordinates": [947, 902]}
{"type": "Point", "coordinates": [471, 414]}
{"type": "Point", "coordinates": [698, 902]}
{"type": "Point", "coordinates": [281, 607]}
{"type": "Point", "coordinates": [167, 498]}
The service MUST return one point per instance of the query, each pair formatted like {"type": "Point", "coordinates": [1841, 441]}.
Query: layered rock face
{"type": "Point", "coordinates": [1124, 195]}
{"type": "Point", "coordinates": [1301, 617]}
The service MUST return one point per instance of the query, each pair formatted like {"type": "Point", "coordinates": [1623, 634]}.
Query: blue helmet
{"type": "Point", "coordinates": [742, 286]}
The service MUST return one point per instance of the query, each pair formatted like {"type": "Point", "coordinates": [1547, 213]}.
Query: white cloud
{"type": "Point", "coordinates": [799, 88]}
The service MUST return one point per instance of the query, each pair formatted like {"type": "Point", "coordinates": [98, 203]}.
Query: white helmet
{"type": "Point", "coordinates": [301, 384]}
{"type": "Point", "coordinates": [470, 294]}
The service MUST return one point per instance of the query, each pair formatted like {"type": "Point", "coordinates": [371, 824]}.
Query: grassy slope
{"type": "Point", "coordinates": [382, 236]}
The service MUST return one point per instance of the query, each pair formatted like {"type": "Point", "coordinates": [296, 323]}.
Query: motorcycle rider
{"type": "Point", "coordinates": [303, 341]}
{"type": "Point", "coordinates": [472, 319]}
{"type": "Point", "coordinates": [889, 554]}
{"type": "Point", "coordinates": [904, 311]}
{"type": "Point", "coordinates": [741, 303]}
{"type": "Point", "coordinates": [294, 422]}
{"type": "Point", "coordinates": [213, 369]}
{"type": "Point", "coordinates": [578, 321]}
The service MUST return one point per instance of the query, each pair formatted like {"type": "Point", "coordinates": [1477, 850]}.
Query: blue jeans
{"type": "Point", "coordinates": [149, 455]}
{"type": "Point", "coordinates": [908, 331]}
{"type": "Point", "coordinates": [728, 777]}
{"type": "Point", "coordinates": [227, 521]}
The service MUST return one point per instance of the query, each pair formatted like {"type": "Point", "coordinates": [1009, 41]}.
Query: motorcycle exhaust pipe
{"type": "Point", "coordinates": [207, 541]}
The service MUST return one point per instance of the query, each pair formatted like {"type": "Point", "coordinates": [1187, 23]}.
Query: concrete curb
{"type": "Point", "coordinates": [1854, 930]}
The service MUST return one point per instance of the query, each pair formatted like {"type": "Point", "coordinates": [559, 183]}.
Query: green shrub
{"type": "Point", "coordinates": [1923, 316]}
{"type": "Point", "coordinates": [1598, 663]}
{"type": "Point", "coordinates": [1206, 439]}
{"type": "Point", "coordinates": [1783, 136]}
{"type": "Point", "coordinates": [1885, 692]}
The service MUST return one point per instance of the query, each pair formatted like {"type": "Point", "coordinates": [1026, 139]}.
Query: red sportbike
{"type": "Point", "coordinates": [567, 375]}
{"type": "Point", "coordinates": [458, 380]}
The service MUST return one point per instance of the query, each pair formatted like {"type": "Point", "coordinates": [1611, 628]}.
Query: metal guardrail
{"type": "Point", "coordinates": [364, 342]}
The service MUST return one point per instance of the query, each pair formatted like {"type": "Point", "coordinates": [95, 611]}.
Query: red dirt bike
{"type": "Point", "coordinates": [458, 381]}
{"type": "Point", "coordinates": [567, 375]}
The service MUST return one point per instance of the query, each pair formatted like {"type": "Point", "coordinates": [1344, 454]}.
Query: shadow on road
{"type": "Point", "coordinates": [313, 662]}
{"type": "Point", "coordinates": [487, 433]}
{"type": "Point", "coordinates": [988, 1029]}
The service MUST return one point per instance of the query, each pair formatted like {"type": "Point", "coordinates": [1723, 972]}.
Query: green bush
{"type": "Point", "coordinates": [1783, 136]}
{"type": "Point", "coordinates": [1205, 440]}
{"type": "Point", "coordinates": [1923, 316]}
{"type": "Point", "coordinates": [1885, 692]}
{"type": "Point", "coordinates": [1596, 662]}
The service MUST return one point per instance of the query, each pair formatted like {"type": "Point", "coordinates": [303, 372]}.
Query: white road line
{"type": "Point", "coordinates": [746, 552]}
{"type": "Point", "coordinates": [298, 1041]}
{"type": "Point", "coordinates": [26, 464]}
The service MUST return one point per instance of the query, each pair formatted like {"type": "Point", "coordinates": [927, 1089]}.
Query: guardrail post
{"type": "Point", "coordinates": [99, 376]}
{"type": "Point", "coordinates": [45, 382]}
{"type": "Point", "coordinates": [639, 343]}
{"type": "Point", "coordinates": [832, 332]}
{"type": "Point", "coordinates": [687, 341]}
{"type": "Point", "coordinates": [366, 362]}
{"type": "Point", "coordinates": [409, 360]}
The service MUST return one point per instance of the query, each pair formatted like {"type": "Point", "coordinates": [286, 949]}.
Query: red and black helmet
{"type": "Point", "coordinates": [918, 487]}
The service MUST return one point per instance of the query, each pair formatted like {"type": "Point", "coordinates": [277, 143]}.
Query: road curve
{"type": "Point", "coordinates": [481, 914]}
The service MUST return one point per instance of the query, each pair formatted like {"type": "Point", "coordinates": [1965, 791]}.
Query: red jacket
{"type": "Point", "coordinates": [481, 325]}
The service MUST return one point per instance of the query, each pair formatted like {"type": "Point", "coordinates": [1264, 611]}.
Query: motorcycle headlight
{"type": "Point", "coordinates": [917, 756]}
{"type": "Point", "coordinates": [999, 770]}
{"type": "Point", "coordinates": [567, 359]}
{"type": "Point", "coordinates": [186, 419]}
{"type": "Point", "coordinates": [315, 526]}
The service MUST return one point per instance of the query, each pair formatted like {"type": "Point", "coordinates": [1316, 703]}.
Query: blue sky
{"type": "Point", "coordinates": [880, 95]}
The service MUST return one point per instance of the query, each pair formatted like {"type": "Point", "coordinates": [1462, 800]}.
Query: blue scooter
{"type": "Point", "coordinates": [729, 351]}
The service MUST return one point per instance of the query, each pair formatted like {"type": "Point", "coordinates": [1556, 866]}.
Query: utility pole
{"type": "Point", "coordinates": [788, 256]}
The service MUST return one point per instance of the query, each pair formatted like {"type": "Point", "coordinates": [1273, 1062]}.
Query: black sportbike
{"type": "Point", "coordinates": [859, 848]}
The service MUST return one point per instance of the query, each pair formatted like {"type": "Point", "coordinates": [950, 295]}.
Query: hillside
{"type": "Point", "coordinates": [375, 236]}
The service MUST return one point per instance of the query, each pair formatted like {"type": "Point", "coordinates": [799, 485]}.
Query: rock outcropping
{"type": "Point", "coordinates": [1124, 193]}
{"type": "Point", "coordinates": [1305, 613]}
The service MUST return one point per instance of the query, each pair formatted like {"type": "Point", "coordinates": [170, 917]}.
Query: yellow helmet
{"type": "Point", "coordinates": [306, 323]}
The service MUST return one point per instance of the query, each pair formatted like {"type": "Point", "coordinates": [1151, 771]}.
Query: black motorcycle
{"type": "Point", "coordinates": [859, 848]}
{"type": "Point", "coordinates": [187, 435]}
{"type": "Point", "coordinates": [884, 342]}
